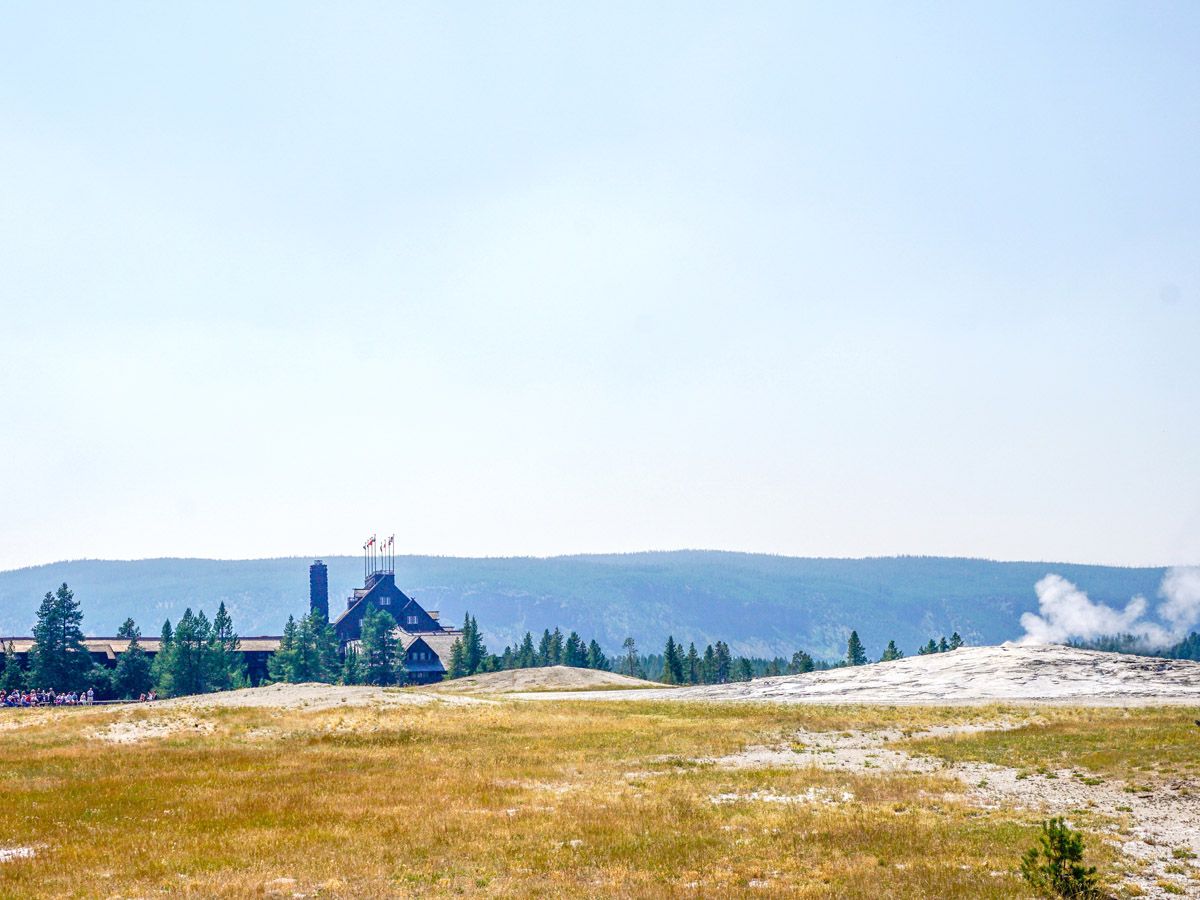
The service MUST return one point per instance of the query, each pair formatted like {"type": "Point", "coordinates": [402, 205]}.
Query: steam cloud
{"type": "Point", "coordinates": [1066, 613]}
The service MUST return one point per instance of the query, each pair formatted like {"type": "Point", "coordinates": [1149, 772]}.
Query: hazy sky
{"type": "Point", "coordinates": [506, 278]}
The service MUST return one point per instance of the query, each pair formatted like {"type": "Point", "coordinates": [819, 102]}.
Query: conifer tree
{"type": "Point", "coordinates": [672, 671]}
{"type": "Point", "coordinates": [556, 647]}
{"type": "Point", "coordinates": [59, 660]}
{"type": "Point", "coordinates": [596, 658]}
{"type": "Point", "coordinates": [352, 672]}
{"type": "Point", "coordinates": [477, 653]}
{"type": "Point", "coordinates": [955, 641]}
{"type": "Point", "coordinates": [456, 666]}
{"type": "Point", "coordinates": [943, 646]}
{"type": "Point", "coordinates": [158, 664]}
{"type": "Point", "coordinates": [545, 653]}
{"type": "Point", "coordinates": [801, 663]}
{"type": "Point", "coordinates": [329, 655]}
{"type": "Point", "coordinates": [281, 665]}
{"type": "Point", "coordinates": [708, 666]}
{"type": "Point", "coordinates": [574, 653]}
{"type": "Point", "coordinates": [132, 676]}
{"type": "Point", "coordinates": [891, 652]}
{"type": "Point", "coordinates": [745, 671]}
{"type": "Point", "coordinates": [629, 663]}
{"type": "Point", "coordinates": [380, 653]}
{"type": "Point", "coordinates": [691, 665]}
{"type": "Point", "coordinates": [855, 654]}
{"type": "Point", "coordinates": [468, 657]}
{"type": "Point", "coordinates": [12, 678]}
{"type": "Point", "coordinates": [724, 663]}
{"type": "Point", "coordinates": [226, 669]}
{"type": "Point", "coordinates": [187, 665]}
{"type": "Point", "coordinates": [526, 657]}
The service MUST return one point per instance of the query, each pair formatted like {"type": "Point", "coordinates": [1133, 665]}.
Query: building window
{"type": "Point", "coordinates": [385, 601]}
{"type": "Point", "coordinates": [411, 620]}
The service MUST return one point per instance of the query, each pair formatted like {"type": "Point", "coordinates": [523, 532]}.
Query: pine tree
{"type": "Point", "coordinates": [708, 666]}
{"type": "Point", "coordinates": [596, 658]}
{"type": "Point", "coordinates": [281, 665]}
{"type": "Point", "coordinates": [464, 664]}
{"type": "Point", "coordinates": [226, 669]}
{"type": "Point", "coordinates": [629, 663]}
{"type": "Point", "coordinates": [1055, 868]}
{"type": "Point", "coordinates": [955, 641]}
{"type": "Point", "coordinates": [187, 661]}
{"type": "Point", "coordinates": [931, 647]}
{"type": "Point", "coordinates": [158, 664]}
{"type": "Point", "coordinates": [545, 653]}
{"type": "Point", "coordinates": [329, 657]}
{"type": "Point", "coordinates": [132, 675]}
{"type": "Point", "coordinates": [724, 663]}
{"type": "Point", "coordinates": [474, 651]}
{"type": "Point", "coordinates": [527, 655]}
{"type": "Point", "coordinates": [59, 660]}
{"type": "Point", "coordinates": [352, 672]}
{"type": "Point", "coordinates": [556, 647]}
{"type": "Point", "coordinates": [745, 671]}
{"type": "Point", "coordinates": [691, 665]}
{"type": "Point", "coordinates": [801, 663]}
{"type": "Point", "coordinates": [306, 665]}
{"type": "Point", "coordinates": [943, 646]}
{"type": "Point", "coordinates": [672, 671]}
{"type": "Point", "coordinates": [891, 652]}
{"type": "Point", "coordinates": [456, 667]}
{"type": "Point", "coordinates": [12, 678]}
{"type": "Point", "coordinates": [381, 660]}
{"type": "Point", "coordinates": [855, 654]}
{"type": "Point", "coordinates": [574, 653]}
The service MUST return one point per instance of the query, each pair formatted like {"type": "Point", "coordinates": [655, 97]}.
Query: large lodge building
{"type": "Point", "coordinates": [425, 641]}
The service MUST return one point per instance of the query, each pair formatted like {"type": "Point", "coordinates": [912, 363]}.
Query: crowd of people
{"type": "Point", "coordinates": [50, 698]}
{"type": "Point", "coordinates": [55, 698]}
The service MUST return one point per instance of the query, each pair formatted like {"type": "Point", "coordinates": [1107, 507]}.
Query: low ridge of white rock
{"type": "Point", "coordinates": [1010, 672]}
{"type": "Point", "coordinates": [973, 674]}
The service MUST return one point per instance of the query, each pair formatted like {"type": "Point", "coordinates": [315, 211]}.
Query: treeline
{"type": "Point", "coordinates": [195, 657]}
{"type": "Point", "coordinates": [1188, 648]}
{"type": "Point", "coordinates": [674, 665]}
{"type": "Point", "coordinates": [856, 653]}
{"type": "Point", "coordinates": [309, 650]}
{"type": "Point", "coordinates": [716, 665]}
{"type": "Point", "coordinates": [470, 656]}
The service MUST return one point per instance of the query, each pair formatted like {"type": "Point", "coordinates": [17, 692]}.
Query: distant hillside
{"type": "Point", "coordinates": [761, 605]}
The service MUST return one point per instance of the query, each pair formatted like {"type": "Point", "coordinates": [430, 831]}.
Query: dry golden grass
{"type": "Point", "coordinates": [1142, 745]}
{"type": "Point", "coordinates": [511, 799]}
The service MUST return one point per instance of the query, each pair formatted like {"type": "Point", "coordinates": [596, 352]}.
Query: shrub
{"type": "Point", "coordinates": [1055, 867]}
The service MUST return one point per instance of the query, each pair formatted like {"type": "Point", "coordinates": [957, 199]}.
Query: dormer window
{"type": "Point", "coordinates": [411, 620]}
{"type": "Point", "coordinates": [385, 601]}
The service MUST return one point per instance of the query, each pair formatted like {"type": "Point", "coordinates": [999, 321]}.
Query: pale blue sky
{"type": "Point", "coordinates": [510, 278]}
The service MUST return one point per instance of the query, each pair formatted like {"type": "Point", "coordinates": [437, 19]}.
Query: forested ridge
{"type": "Point", "coordinates": [762, 606]}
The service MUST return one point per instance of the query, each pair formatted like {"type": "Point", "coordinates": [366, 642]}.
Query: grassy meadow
{"type": "Point", "coordinates": [517, 799]}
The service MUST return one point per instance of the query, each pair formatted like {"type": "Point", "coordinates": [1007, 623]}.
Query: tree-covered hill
{"type": "Point", "coordinates": [760, 605]}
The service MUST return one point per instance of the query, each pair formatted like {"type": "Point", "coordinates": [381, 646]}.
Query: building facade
{"type": "Point", "coordinates": [425, 641]}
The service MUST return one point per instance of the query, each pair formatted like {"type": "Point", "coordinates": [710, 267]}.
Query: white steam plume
{"type": "Point", "coordinates": [1065, 612]}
